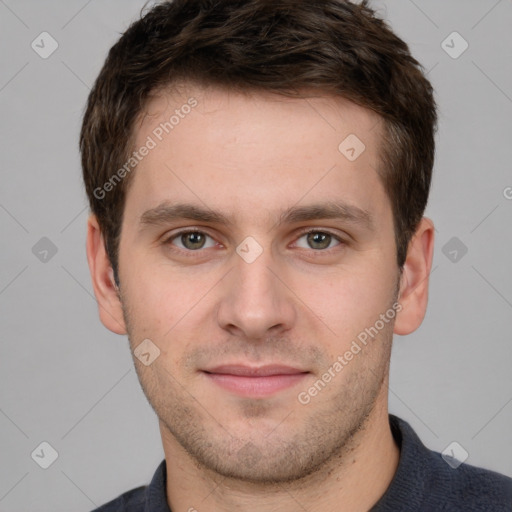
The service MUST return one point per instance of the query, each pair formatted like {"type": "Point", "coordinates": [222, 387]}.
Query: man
{"type": "Point", "coordinates": [257, 174]}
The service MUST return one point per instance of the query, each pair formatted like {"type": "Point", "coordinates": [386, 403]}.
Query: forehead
{"type": "Point", "coordinates": [325, 111]}
{"type": "Point", "coordinates": [235, 150]}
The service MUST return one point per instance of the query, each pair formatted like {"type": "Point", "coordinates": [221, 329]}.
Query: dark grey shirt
{"type": "Point", "coordinates": [424, 482]}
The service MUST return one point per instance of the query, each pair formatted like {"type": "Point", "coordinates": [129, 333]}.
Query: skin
{"type": "Point", "coordinates": [301, 302]}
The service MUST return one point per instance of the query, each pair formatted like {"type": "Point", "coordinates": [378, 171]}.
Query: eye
{"type": "Point", "coordinates": [193, 240]}
{"type": "Point", "coordinates": [190, 240]}
{"type": "Point", "coordinates": [319, 240]}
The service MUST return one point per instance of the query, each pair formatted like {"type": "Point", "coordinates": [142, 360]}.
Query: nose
{"type": "Point", "coordinates": [255, 301]}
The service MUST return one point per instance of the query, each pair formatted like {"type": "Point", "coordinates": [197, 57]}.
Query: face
{"type": "Point", "coordinates": [254, 252]}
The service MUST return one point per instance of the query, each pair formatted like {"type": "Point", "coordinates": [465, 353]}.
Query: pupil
{"type": "Point", "coordinates": [193, 239]}
{"type": "Point", "coordinates": [319, 238]}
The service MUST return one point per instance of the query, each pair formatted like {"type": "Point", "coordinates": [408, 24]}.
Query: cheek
{"type": "Point", "coordinates": [351, 300]}
{"type": "Point", "coordinates": [150, 301]}
{"type": "Point", "coordinates": [163, 301]}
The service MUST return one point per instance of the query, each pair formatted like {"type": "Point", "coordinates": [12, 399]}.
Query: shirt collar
{"type": "Point", "coordinates": [156, 495]}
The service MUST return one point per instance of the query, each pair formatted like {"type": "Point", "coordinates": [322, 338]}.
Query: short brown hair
{"type": "Point", "coordinates": [283, 46]}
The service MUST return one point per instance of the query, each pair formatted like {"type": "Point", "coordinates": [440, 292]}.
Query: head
{"type": "Point", "coordinates": [253, 123]}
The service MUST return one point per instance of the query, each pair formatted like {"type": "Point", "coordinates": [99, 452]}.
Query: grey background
{"type": "Point", "coordinates": [68, 381]}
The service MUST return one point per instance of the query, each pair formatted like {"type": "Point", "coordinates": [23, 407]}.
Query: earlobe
{"type": "Point", "coordinates": [414, 281]}
{"type": "Point", "coordinates": [105, 288]}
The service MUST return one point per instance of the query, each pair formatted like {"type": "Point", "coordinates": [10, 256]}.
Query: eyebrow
{"type": "Point", "coordinates": [167, 212]}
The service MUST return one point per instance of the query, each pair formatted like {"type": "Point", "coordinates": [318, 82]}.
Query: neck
{"type": "Point", "coordinates": [352, 481]}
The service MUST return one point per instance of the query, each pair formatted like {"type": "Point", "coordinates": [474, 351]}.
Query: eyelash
{"type": "Point", "coordinates": [189, 252]}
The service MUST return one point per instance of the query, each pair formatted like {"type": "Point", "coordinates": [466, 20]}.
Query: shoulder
{"type": "Point", "coordinates": [427, 481]}
{"type": "Point", "coordinates": [130, 501]}
{"type": "Point", "coordinates": [476, 489]}
{"type": "Point", "coordinates": [144, 498]}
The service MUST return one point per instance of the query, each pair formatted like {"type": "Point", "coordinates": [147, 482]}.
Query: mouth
{"type": "Point", "coordinates": [255, 382]}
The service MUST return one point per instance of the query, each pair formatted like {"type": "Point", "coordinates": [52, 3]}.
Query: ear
{"type": "Point", "coordinates": [414, 281]}
{"type": "Point", "coordinates": [105, 289]}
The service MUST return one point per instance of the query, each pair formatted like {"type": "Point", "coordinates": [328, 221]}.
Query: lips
{"type": "Point", "coordinates": [256, 382]}
{"type": "Point", "coordinates": [261, 371]}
